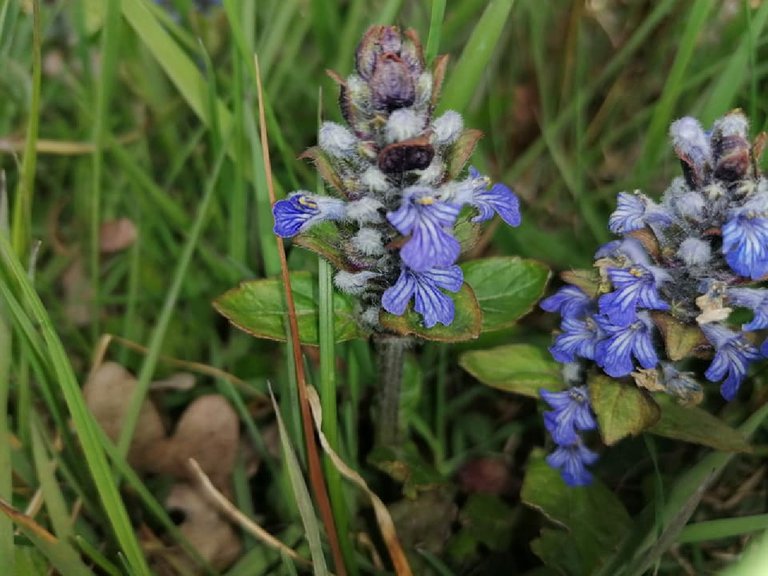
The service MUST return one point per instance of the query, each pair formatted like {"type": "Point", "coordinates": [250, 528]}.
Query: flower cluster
{"type": "Point", "coordinates": [393, 169]}
{"type": "Point", "coordinates": [664, 291]}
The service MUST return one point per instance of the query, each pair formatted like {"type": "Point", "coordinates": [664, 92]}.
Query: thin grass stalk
{"type": "Point", "coordinates": [22, 209]}
{"type": "Point", "coordinates": [6, 347]}
{"type": "Point", "coordinates": [109, 47]}
{"type": "Point", "coordinates": [329, 393]}
{"type": "Point", "coordinates": [316, 477]}
{"type": "Point", "coordinates": [163, 320]}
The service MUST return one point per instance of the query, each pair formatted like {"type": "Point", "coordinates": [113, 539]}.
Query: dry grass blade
{"type": "Point", "coordinates": [231, 512]}
{"type": "Point", "coordinates": [387, 527]}
{"type": "Point", "coordinates": [104, 342]}
{"type": "Point", "coordinates": [316, 478]}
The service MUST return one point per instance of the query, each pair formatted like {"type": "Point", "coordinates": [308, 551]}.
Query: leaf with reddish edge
{"type": "Point", "coordinates": [438, 75]}
{"type": "Point", "coordinates": [461, 151]}
{"type": "Point", "coordinates": [466, 323]}
{"type": "Point", "coordinates": [324, 239]}
{"type": "Point", "coordinates": [324, 167]}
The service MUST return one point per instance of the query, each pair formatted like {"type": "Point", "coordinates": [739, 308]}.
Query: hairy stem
{"type": "Point", "coordinates": [390, 357]}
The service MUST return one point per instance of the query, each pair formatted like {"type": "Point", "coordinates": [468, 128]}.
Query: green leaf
{"type": "Point", "coordinates": [406, 465]}
{"type": "Point", "coordinates": [324, 167]}
{"type": "Point", "coordinates": [594, 518]}
{"type": "Point", "coordinates": [692, 424]}
{"type": "Point", "coordinates": [622, 409]}
{"type": "Point", "coordinates": [258, 308]}
{"type": "Point", "coordinates": [474, 59]}
{"type": "Point", "coordinates": [461, 151]}
{"type": "Point", "coordinates": [680, 340]}
{"type": "Point", "coordinates": [465, 326]}
{"type": "Point", "coordinates": [506, 288]}
{"type": "Point", "coordinates": [466, 231]}
{"type": "Point", "coordinates": [518, 368]}
{"type": "Point", "coordinates": [489, 519]}
{"type": "Point", "coordinates": [324, 240]}
{"type": "Point", "coordinates": [587, 280]}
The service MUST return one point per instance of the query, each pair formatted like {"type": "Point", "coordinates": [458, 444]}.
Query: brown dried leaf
{"type": "Point", "coordinates": [108, 393]}
{"type": "Point", "coordinates": [210, 534]}
{"type": "Point", "coordinates": [78, 293]}
{"type": "Point", "coordinates": [117, 235]}
{"type": "Point", "coordinates": [209, 432]}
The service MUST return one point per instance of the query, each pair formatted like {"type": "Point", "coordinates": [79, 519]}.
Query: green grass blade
{"type": "Point", "coordinates": [328, 396]}
{"type": "Point", "coordinates": [666, 108]}
{"type": "Point", "coordinates": [303, 500]}
{"type": "Point", "coordinates": [46, 476]}
{"type": "Point", "coordinates": [22, 210]}
{"type": "Point", "coordinates": [722, 528]}
{"type": "Point", "coordinates": [87, 430]}
{"type": "Point", "coordinates": [177, 65]}
{"type": "Point", "coordinates": [464, 79]}
{"type": "Point", "coordinates": [6, 346]}
{"type": "Point", "coordinates": [435, 29]}
{"type": "Point", "coordinates": [730, 81]}
{"type": "Point", "coordinates": [109, 48]}
{"type": "Point", "coordinates": [61, 555]}
{"type": "Point", "coordinates": [161, 326]}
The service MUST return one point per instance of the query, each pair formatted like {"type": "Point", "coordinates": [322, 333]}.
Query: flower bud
{"type": "Point", "coordinates": [730, 147]}
{"type": "Point", "coordinates": [368, 241]}
{"type": "Point", "coordinates": [365, 211]}
{"type": "Point", "coordinates": [447, 128]}
{"type": "Point", "coordinates": [336, 140]}
{"type": "Point", "coordinates": [374, 180]}
{"type": "Point", "coordinates": [414, 154]}
{"type": "Point", "coordinates": [694, 252]}
{"type": "Point", "coordinates": [353, 283]}
{"type": "Point", "coordinates": [392, 65]}
{"type": "Point", "coordinates": [692, 147]}
{"type": "Point", "coordinates": [403, 124]}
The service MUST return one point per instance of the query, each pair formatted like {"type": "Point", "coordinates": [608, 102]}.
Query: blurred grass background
{"type": "Point", "coordinates": [149, 113]}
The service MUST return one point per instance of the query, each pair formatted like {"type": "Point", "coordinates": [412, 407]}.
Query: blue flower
{"type": "Point", "coordinates": [614, 354]}
{"type": "Point", "coordinates": [627, 248]}
{"type": "Point", "coordinates": [498, 198]}
{"type": "Point", "coordinates": [756, 299]}
{"type": "Point", "coordinates": [634, 211]}
{"type": "Point", "coordinates": [733, 353]}
{"type": "Point", "coordinates": [477, 191]}
{"type": "Point", "coordinates": [572, 461]}
{"type": "Point", "coordinates": [577, 340]}
{"type": "Point", "coordinates": [745, 243]}
{"type": "Point", "coordinates": [633, 288]}
{"type": "Point", "coordinates": [571, 411]}
{"type": "Point", "coordinates": [570, 301]}
{"type": "Point", "coordinates": [424, 288]}
{"type": "Point", "coordinates": [425, 217]}
{"type": "Point", "coordinates": [301, 210]}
